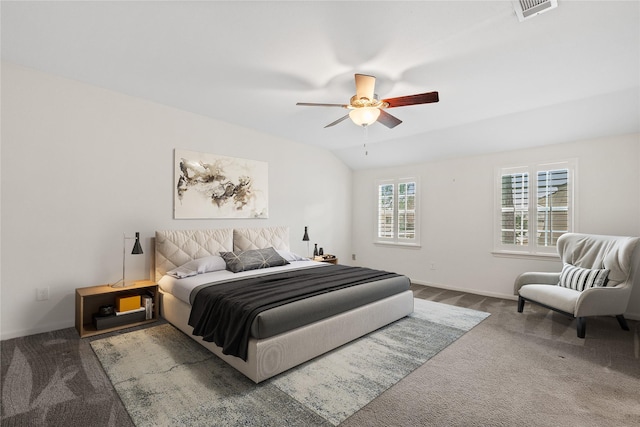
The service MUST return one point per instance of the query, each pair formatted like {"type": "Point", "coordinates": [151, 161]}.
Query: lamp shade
{"type": "Point", "coordinates": [137, 249]}
{"type": "Point", "coordinates": [305, 238]}
{"type": "Point", "coordinates": [364, 116]}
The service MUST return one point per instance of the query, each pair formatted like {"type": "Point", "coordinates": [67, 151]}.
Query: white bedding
{"type": "Point", "coordinates": [181, 288]}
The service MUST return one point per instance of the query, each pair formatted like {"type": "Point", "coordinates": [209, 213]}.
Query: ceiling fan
{"type": "Point", "coordinates": [367, 109]}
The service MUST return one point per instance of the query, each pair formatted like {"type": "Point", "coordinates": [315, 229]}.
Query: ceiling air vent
{"type": "Point", "coordinates": [526, 9]}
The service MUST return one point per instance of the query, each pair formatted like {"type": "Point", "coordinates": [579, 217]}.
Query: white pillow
{"type": "Point", "coordinates": [198, 266]}
{"type": "Point", "coordinates": [290, 256]}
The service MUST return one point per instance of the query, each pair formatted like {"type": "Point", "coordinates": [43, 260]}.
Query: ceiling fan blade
{"type": "Point", "coordinates": [365, 86]}
{"type": "Point", "coordinates": [313, 104]}
{"type": "Point", "coordinates": [422, 98]}
{"type": "Point", "coordinates": [388, 120]}
{"type": "Point", "coordinates": [337, 121]}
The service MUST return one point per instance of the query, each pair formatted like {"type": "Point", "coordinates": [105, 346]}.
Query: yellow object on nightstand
{"type": "Point", "coordinates": [127, 302]}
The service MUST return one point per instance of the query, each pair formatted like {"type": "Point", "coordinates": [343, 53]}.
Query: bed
{"type": "Point", "coordinates": [283, 336]}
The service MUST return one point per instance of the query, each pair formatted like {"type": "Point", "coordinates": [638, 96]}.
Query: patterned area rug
{"type": "Point", "coordinates": [165, 378]}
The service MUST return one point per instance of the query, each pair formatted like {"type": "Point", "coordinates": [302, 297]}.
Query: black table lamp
{"type": "Point", "coordinates": [137, 250]}
{"type": "Point", "coordinates": [305, 238]}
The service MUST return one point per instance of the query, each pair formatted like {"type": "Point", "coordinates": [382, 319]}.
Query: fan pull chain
{"type": "Point", "coordinates": [366, 137]}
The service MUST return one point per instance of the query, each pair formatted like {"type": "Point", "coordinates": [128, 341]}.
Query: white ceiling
{"type": "Point", "coordinates": [568, 74]}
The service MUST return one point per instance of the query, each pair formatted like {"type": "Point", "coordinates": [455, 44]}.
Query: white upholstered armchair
{"type": "Point", "coordinates": [596, 279]}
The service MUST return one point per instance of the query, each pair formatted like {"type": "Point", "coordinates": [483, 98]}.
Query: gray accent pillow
{"type": "Point", "coordinates": [252, 259]}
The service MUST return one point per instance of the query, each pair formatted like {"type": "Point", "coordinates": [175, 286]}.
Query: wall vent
{"type": "Point", "coordinates": [526, 9]}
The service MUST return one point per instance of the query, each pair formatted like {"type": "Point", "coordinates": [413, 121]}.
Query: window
{"type": "Point", "coordinates": [397, 211]}
{"type": "Point", "coordinates": [535, 207]}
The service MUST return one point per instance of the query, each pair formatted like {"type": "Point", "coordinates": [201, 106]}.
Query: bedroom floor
{"type": "Point", "coordinates": [55, 379]}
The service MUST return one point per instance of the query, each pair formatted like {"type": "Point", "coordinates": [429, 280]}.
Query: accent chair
{"type": "Point", "coordinates": [596, 279]}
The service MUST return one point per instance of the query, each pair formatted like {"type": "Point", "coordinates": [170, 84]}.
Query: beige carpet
{"type": "Point", "coordinates": [525, 369]}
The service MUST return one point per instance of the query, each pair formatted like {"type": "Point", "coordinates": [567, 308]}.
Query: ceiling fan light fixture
{"type": "Point", "coordinates": [365, 107]}
{"type": "Point", "coordinates": [364, 116]}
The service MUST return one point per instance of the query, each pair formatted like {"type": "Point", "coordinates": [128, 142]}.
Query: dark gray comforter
{"type": "Point", "coordinates": [224, 313]}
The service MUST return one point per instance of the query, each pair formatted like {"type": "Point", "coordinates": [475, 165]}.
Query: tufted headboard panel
{"type": "Point", "coordinates": [177, 247]}
{"type": "Point", "coordinates": [260, 238]}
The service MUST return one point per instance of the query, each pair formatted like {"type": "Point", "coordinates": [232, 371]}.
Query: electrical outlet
{"type": "Point", "coordinates": [42, 294]}
{"type": "Point", "coordinates": [353, 257]}
{"type": "Point", "coordinates": [433, 266]}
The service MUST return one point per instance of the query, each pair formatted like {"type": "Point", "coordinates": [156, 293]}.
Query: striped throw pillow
{"type": "Point", "coordinates": [579, 279]}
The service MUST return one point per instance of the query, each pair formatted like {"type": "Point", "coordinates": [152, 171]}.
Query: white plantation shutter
{"type": "Point", "coordinates": [514, 189]}
{"type": "Point", "coordinates": [552, 205]}
{"type": "Point", "coordinates": [397, 202]}
{"type": "Point", "coordinates": [406, 210]}
{"type": "Point", "coordinates": [386, 197]}
{"type": "Point", "coordinates": [535, 206]}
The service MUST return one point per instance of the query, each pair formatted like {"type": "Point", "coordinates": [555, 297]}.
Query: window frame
{"type": "Point", "coordinates": [396, 240]}
{"type": "Point", "coordinates": [533, 248]}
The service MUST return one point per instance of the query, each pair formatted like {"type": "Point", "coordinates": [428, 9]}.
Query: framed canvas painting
{"type": "Point", "coordinates": [213, 186]}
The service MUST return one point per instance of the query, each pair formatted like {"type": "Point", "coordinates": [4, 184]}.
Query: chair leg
{"type": "Point", "coordinates": [582, 327]}
{"type": "Point", "coordinates": [623, 322]}
{"type": "Point", "coordinates": [520, 304]}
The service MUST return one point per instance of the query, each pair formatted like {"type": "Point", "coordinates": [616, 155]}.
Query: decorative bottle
{"type": "Point", "coordinates": [315, 250]}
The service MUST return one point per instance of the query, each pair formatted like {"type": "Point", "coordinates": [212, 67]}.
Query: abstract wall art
{"type": "Point", "coordinates": [213, 186]}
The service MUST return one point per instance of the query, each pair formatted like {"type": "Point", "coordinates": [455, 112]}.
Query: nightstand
{"type": "Point", "coordinates": [330, 260]}
{"type": "Point", "coordinates": [89, 300]}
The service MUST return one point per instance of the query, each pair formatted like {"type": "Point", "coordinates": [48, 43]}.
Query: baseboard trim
{"type": "Point", "coordinates": [469, 291]}
{"type": "Point", "coordinates": [66, 324]}
{"type": "Point", "coordinates": [49, 327]}
{"type": "Point", "coordinates": [629, 316]}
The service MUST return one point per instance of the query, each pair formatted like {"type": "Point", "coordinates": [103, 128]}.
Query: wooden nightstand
{"type": "Point", "coordinates": [89, 300]}
{"type": "Point", "coordinates": [330, 260]}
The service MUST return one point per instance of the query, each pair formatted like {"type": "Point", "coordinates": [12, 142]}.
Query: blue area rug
{"type": "Point", "coordinates": [165, 378]}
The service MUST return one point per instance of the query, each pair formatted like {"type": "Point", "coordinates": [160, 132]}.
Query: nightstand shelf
{"type": "Point", "coordinates": [89, 300]}
{"type": "Point", "coordinates": [333, 260]}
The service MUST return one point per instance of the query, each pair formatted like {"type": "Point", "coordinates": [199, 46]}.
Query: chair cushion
{"type": "Point", "coordinates": [579, 279]}
{"type": "Point", "coordinates": [558, 297]}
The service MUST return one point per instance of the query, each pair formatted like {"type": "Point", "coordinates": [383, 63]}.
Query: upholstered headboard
{"type": "Point", "coordinates": [177, 247]}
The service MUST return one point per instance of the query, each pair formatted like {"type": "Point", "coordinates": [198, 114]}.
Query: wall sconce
{"type": "Point", "coordinates": [137, 250]}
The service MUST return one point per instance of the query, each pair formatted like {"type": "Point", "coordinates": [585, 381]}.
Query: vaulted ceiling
{"type": "Point", "coordinates": [568, 74]}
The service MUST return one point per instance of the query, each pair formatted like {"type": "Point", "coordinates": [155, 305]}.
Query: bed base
{"type": "Point", "coordinates": [271, 356]}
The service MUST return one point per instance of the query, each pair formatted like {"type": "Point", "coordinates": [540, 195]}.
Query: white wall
{"type": "Point", "coordinates": [457, 202]}
{"type": "Point", "coordinates": [81, 165]}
